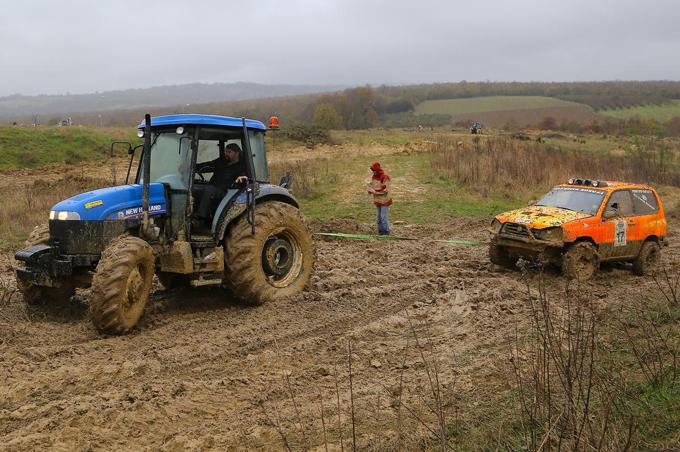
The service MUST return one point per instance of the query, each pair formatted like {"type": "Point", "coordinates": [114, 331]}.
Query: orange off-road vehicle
{"type": "Point", "coordinates": [581, 223]}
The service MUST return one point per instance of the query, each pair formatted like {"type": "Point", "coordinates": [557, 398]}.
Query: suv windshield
{"type": "Point", "coordinates": [578, 199]}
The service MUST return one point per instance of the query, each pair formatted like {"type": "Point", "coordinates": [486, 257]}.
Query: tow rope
{"type": "Point", "coordinates": [393, 237]}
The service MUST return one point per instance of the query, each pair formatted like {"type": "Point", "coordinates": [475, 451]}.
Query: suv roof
{"type": "Point", "coordinates": [212, 120]}
{"type": "Point", "coordinates": [607, 186]}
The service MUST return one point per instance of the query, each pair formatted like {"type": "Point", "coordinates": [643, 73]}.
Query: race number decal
{"type": "Point", "coordinates": [620, 230]}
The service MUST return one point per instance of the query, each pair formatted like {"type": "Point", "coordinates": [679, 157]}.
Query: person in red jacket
{"type": "Point", "coordinates": [379, 188]}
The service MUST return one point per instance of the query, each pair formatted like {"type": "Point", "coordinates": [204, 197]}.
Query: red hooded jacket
{"type": "Point", "coordinates": [380, 185]}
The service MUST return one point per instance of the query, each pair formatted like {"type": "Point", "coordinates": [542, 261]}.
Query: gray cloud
{"type": "Point", "coordinates": [83, 46]}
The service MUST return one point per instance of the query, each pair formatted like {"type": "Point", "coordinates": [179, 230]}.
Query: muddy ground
{"type": "Point", "coordinates": [203, 371]}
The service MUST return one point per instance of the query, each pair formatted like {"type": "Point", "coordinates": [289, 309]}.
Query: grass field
{"type": "Point", "coordinates": [489, 104]}
{"type": "Point", "coordinates": [33, 147]}
{"type": "Point", "coordinates": [662, 113]}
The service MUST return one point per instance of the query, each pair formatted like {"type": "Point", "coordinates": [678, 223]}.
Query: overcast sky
{"type": "Point", "coordinates": [81, 46]}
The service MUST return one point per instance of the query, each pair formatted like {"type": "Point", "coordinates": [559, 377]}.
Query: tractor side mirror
{"type": "Point", "coordinates": [121, 144]}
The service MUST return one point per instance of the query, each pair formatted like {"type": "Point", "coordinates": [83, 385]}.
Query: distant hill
{"type": "Point", "coordinates": [20, 107]}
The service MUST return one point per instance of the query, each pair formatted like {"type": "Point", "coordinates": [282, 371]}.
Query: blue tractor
{"type": "Point", "coordinates": [256, 243]}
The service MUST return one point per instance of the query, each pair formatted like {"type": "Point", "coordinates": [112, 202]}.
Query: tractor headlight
{"type": "Point", "coordinates": [63, 215]}
{"type": "Point", "coordinates": [496, 226]}
{"type": "Point", "coordinates": [551, 234]}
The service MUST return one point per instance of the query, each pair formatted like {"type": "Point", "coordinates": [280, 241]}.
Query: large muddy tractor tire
{"type": "Point", "coordinates": [276, 262]}
{"type": "Point", "coordinates": [580, 261]}
{"type": "Point", "coordinates": [121, 285]}
{"type": "Point", "coordinates": [499, 255]}
{"type": "Point", "coordinates": [647, 261]}
{"type": "Point", "coordinates": [38, 295]}
{"type": "Point", "coordinates": [173, 280]}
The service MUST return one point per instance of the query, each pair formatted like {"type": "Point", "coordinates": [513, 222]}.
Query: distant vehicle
{"type": "Point", "coordinates": [476, 128]}
{"type": "Point", "coordinates": [582, 223]}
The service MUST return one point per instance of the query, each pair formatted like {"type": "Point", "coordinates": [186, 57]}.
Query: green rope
{"type": "Point", "coordinates": [392, 237]}
{"type": "Point", "coordinates": [363, 236]}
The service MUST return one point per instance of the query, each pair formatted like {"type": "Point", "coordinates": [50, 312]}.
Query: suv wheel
{"type": "Point", "coordinates": [580, 261]}
{"type": "Point", "coordinates": [499, 255]}
{"type": "Point", "coordinates": [647, 261]}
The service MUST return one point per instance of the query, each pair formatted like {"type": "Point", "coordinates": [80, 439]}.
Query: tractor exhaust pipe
{"type": "Point", "coordinates": [146, 174]}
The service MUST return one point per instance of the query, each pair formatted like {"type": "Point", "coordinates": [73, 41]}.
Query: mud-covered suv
{"type": "Point", "coordinates": [581, 223]}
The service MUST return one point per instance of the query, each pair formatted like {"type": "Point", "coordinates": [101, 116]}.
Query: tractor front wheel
{"type": "Point", "coordinates": [38, 295]}
{"type": "Point", "coordinates": [40, 235]}
{"type": "Point", "coordinates": [121, 285]}
{"type": "Point", "coordinates": [274, 263]}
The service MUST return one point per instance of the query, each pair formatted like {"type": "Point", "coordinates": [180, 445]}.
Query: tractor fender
{"type": "Point", "coordinates": [232, 207]}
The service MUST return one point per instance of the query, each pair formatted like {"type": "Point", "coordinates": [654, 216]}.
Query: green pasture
{"type": "Point", "coordinates": [22, 147]}
{"type": "Point", "coordinates": [662, 113]}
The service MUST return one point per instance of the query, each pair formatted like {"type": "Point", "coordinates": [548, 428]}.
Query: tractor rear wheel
{"type": "Point", "coordinates": [580, 261]}
{"type": "Point", "coordinates": [121, 285]}
{"type": "Point", "coordinates": [37, 295]}
{"type": "Point", "coordinates": [276, 262]}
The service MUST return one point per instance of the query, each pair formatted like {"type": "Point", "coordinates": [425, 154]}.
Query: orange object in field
{"type": "Point", "coordinates": [583, 223]}
{"type": "Point", "coordinates": [274, 122]}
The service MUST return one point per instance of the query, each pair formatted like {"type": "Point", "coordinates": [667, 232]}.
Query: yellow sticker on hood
{"type": "Point", "coordinates": [542, 216]}
{"type": "Point", "coordinates": [92, 204]}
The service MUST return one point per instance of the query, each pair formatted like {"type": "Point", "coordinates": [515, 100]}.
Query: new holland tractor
{"type": "Point", "coordinates": [115, 239]}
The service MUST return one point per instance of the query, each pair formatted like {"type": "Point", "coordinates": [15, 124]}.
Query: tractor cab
{"type": "Point", "coordinates": [182, 150]}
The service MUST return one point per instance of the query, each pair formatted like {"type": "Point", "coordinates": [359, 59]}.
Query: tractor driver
{"type": "Point", "coordinates": [228, 169]}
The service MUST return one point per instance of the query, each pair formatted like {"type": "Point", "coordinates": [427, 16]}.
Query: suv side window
{"type": "Point", "coordinates": [644, 202]}
{"type": "Point", "coordinates": [624, 200]}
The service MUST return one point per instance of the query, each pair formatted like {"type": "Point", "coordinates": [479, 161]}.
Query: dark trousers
{"type": "Point", "coordinates": [211, 198]}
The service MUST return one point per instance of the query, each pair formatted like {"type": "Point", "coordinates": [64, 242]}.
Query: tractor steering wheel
{"type": "Point", "coordinates": [205, 169]}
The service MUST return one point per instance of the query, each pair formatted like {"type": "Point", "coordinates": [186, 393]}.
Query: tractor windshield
{"type": "Point", "coordinates": [578, 199]}
{"type": "Point", "coordinates": [170, 159]}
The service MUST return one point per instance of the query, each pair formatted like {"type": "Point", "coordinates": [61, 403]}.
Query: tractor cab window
{"type": "Point", "coordinates": [170, 159]}
{"type": "Point", "coordinates": [211, 144]}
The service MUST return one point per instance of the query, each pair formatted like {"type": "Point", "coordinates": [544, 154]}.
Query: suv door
{"type": "Point", "coordinates": [621, 232]}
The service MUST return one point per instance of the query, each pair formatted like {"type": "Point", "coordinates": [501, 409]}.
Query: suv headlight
{"type": "Point", "coordinates": [63, 215]}
{"type": "Point", "coordinates": [496, 226]}
{"type": "Point", "coordinates": [551, 234]}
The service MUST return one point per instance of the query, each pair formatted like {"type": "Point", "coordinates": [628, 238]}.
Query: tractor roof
{"type": "Point", "coordinates": [204, 120]}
